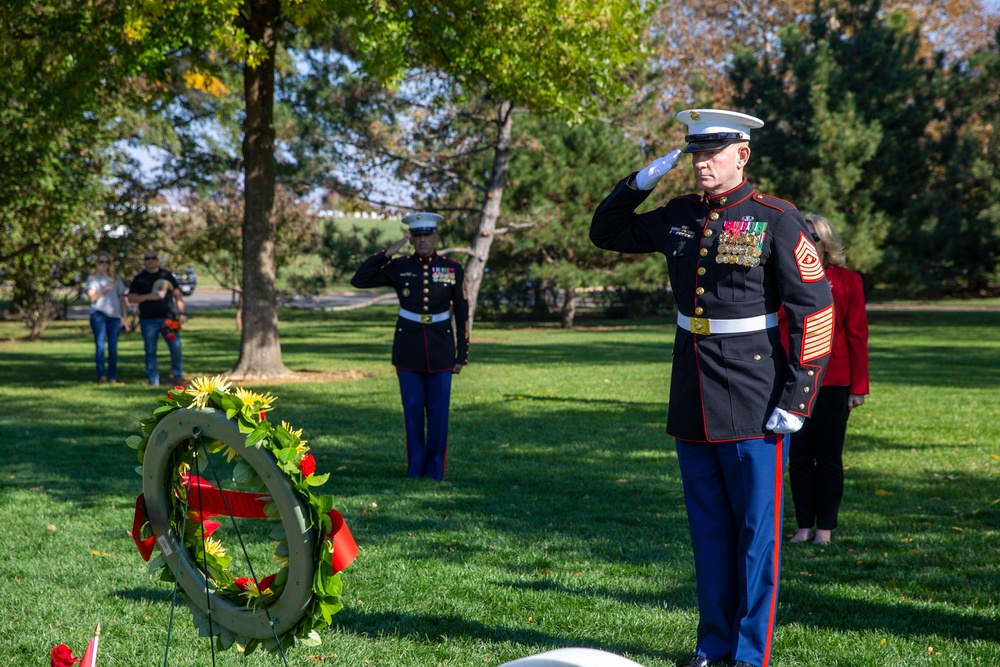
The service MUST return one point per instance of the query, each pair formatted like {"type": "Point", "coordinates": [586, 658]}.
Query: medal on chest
{"type": "Point", "coordinates": [741, 242]}
{"type": "Point", "coordinates": [444, 275]}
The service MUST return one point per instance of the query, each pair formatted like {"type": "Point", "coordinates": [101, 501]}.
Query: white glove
{"type": "Point", "coordinates": [784, 422]}
{"type": "Point", "coordinates": [647, 178]}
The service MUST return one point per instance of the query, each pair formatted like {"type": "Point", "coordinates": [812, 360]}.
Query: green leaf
{"type": "Point", "coordinates": [317, 480]}
{"type": "Point", "coordinates": [271, 511]}
{"type": "Point", "coordinates": [258, 434]}
{"type": "Point", "coordinates": [226, 639]}
{"type": "Point", "coordinates": [243, 472]}
{"type": "Point", "coordinates": [283, 438]}
{"type": "Point", "coordinates": [156, 563]}
{"type": "Point", "coordinates": [134, 441]}
{"type": "Point", "coordinates": [286, 455]}
{"type": "Point", "coordinates": [312, 639]}
{"type": "Point", "coordinates": [163, 410]}
{"type": "Point", "coordinates": [324, 504]}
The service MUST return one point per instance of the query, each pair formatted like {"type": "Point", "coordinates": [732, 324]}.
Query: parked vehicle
{"type": "Point", "coordinates": [186, 280]}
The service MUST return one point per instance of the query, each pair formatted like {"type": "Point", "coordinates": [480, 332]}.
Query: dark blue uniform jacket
{"type": "Point", "coordinates": [734, 255]}
{"type": "Point", "coordinates": [425, 287]}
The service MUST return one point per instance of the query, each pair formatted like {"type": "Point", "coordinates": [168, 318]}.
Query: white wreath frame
{"type": "Point", "coordinates": [157, 485]}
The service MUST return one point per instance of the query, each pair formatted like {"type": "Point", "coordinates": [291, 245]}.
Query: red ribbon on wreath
{"type": "Point", "coordinates": [210, 501]}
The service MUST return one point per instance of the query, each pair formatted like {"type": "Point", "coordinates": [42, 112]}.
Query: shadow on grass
{"type": "Point", "coordinates": [681, 596]}
{"type": "Point", "coordinates": [808, 606]}
{"type": "Point", "coordinates": [591, 479]}
{"type": "Point", "coordinates": [419, 627]}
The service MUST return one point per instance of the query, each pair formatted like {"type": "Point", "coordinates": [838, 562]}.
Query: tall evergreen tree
{"type": "Point", "coordinates": [956, 247]}
{"type": "Point", "coordinates": [848, 105]}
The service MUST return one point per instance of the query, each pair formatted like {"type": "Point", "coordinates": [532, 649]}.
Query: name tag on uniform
{"type": "Point", "coordinates": [443, 274]}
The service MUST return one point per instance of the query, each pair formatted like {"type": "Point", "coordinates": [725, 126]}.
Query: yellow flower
{"type": "Point", "coordinates": [202, 389]}
{"type": "Point", "coordinates": [300, 448]}
{"type": "Point", "coordinates": [214, 547]}
{"type": "Point", "coordinates": [288, 427]}
{"type": "Point", "coordinates": [253, 399]}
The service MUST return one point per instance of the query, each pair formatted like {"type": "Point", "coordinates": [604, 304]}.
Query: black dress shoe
{"type": "Point", "coordinates": [698, 661]}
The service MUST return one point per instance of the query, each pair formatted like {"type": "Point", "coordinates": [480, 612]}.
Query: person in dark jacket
{"type": "Point", "coordinates": [734, 257]}
{"type": "Point", "coordinates": [431, 341]}
{"type": "Point", "coordinates": [161, 313]}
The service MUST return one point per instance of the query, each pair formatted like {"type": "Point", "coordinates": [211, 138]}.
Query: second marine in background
{"type": "Point", "coordinates": [431, 341]}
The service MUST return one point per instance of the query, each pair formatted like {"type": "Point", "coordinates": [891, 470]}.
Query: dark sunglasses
{"type": "Point", "coordinates": [816, 238]}
{"type": "Point", "coordinates": [103, 261]}
{"type": "Point", "coordinates": [149, 258]}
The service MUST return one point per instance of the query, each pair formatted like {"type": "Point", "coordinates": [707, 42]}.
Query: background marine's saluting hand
{"type": "Point", "coordinates": [394, 248]}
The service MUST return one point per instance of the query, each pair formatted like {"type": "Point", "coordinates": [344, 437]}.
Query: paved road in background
{"type": "Point", "coordinates": [209, 299]}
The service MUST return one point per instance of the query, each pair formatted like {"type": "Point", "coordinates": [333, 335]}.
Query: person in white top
{"type": "Point", "coordinates": [106, 292]}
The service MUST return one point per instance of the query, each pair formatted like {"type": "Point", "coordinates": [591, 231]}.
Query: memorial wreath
{"type": "Point", "coordinates": [275, 474]}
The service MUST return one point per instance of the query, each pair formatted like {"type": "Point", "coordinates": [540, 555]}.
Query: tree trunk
{"type": "Point", "coordinates": [569, 308]}
{"type": "Point", "coordinates": [476, 266]}
{"type": "Point", "coordinates": [260, 349]}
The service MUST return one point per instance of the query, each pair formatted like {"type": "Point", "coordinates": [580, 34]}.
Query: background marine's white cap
{"type": "Point", "coordinates": [423, 223]}
{"type": "Point", "coordinates": [712, 129]}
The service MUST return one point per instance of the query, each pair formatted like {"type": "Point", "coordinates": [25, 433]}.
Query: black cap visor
{"type": "Point", "coordinates": [422, 231]}
{"type": "Point", "coordinates": [702, 143]}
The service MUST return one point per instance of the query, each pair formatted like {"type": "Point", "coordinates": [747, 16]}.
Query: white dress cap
{"type": "Point", "coordinates": [423, 223]}
{"type": "Point", "coordinates": [712, 129]}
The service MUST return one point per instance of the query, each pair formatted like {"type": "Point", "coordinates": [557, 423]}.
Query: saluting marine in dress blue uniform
{"type": "Point", "coordinates": [431, 340]}
{"type": "Point", "coordinates": [734, 257]}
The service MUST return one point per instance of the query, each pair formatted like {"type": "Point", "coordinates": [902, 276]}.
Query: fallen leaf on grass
{"type": "Point", "coordinates": [883, 493]}
{"type": "Point", "coordinates": [51, 526]}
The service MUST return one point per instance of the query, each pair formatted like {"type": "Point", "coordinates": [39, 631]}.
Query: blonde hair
{"type": "Point", "coordinates": [111, 263]}
{"type": "Point", "coordinates": [833, 248]}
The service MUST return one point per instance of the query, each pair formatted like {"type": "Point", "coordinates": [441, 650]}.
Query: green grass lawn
{"type": "Point", "coordinates": [561, 522]}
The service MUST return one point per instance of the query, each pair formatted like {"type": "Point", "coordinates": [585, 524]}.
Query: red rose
{"type": "Point", "coordinates": [263, 416]}
{"type": "Point", "coordinates": [180, 387]}
{"type": "Point", "coordinates": [170, 336]}
{"type": "Point", "coordinates": [307, 465]}
{"type": "Point", "coordinates": [63, 657]}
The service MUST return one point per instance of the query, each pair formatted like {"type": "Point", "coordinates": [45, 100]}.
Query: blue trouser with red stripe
{"type": "Point", "coordinates": [733, 494]}
{"type": "Point", "coordinates": [426, 397]}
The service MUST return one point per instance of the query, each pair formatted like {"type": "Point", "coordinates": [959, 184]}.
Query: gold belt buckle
{"type": "Point", "coordinates": [699, 325]}
{"type": "Point", "coordinates": [426, 319]}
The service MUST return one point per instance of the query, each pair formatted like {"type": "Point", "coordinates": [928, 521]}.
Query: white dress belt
{"type": "Point", "coordinates": [426, 318]}
{"type": "Point", "coordinates": [704, 326]}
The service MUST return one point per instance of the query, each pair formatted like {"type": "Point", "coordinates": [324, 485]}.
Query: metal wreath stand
{"type": "Point", "coordinates": [264, 621]}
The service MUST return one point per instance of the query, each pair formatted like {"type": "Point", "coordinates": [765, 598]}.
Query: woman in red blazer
{"type": "Point", "coordinates": [815, 462]}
